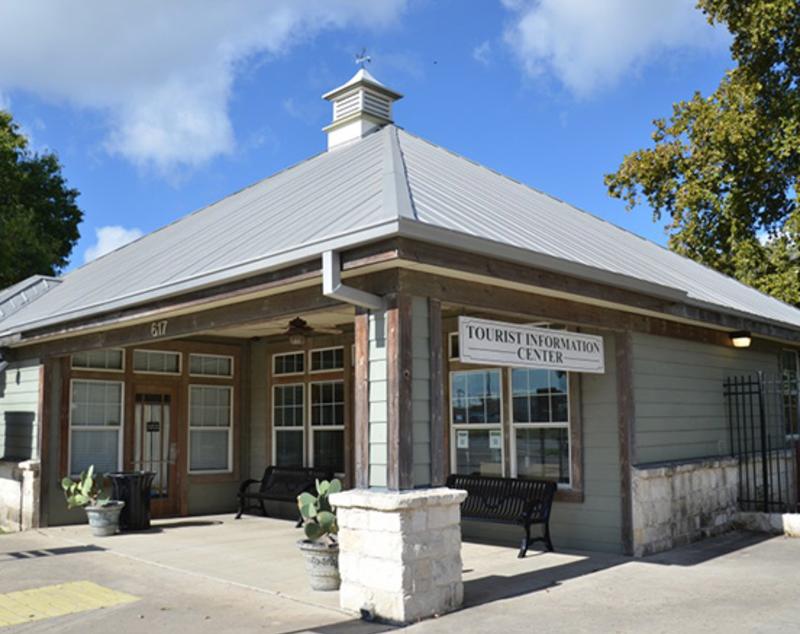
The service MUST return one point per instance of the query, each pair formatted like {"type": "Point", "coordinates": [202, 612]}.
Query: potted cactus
{"type": "Point", "coordinates": [103, 513]}
{"type": "Point", "coordinates": [320, 548]}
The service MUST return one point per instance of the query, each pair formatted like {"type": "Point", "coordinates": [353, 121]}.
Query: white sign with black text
{"type": "Point", "coordinates": [487, 342]}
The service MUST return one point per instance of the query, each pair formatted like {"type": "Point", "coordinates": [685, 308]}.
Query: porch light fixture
{"type": "Point", "coordinates": [741, 339]}
{"type": "Point", "coordinates": [297, 339]}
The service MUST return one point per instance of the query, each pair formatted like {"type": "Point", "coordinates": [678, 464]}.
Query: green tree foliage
{"type": "Point", "coordinates": [725, 168]}
{"type": "Point", "coordinates": [38, 215]}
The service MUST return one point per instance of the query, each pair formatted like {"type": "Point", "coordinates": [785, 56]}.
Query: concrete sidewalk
{"type": "Point", "coordinates": [212, 574]}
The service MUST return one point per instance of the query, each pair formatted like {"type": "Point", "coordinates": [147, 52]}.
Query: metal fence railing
{"type": "Point", "coordinates": [763, 419]}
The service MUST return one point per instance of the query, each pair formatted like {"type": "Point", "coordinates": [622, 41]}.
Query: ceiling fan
{"type": "Point", "coordinates": [299, 329]}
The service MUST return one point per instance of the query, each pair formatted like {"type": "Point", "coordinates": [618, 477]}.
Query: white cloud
{"type": "Point", "coordinates": [160, 72]}
{"type": "Point", "coordinates": [589, 45]}
{"type": "Point", "coordinates": [483, 53]}
{"type": "Point", "coordinates": [108, 239]}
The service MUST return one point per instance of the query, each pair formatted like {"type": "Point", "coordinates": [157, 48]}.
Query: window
{"type": "Point", "coordinates": [156, 362]}
{"type": "Point", "coordinates": [327, 425]}
{"type": "Point", "coordinates": [288, 363]}
{"type": "Point", "coordinates": [512, 422]}
{"type": "Point", "coordinates": [211, 365]}
{"type": "Point", "coordinates": [327, 359]}
{"type": "Point", "coordinates": [476, 414]}
{"type": "Point", "coordinates": [99, 360]}
{"type": "Point", "coordinates": [452, 346]}
{"type": "Point", "coordinates": [288, 420]}
{"type": "Point", "coordinates": [210, 423]}
{"type": "Point", "coordinates": [95, 425]}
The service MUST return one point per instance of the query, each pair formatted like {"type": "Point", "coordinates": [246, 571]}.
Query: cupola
{"type": "Point", "coordinates": [360, 106]}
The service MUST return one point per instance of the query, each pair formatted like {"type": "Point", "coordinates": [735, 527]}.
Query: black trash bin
{"type": "Point", "coordinates": [133, 488]}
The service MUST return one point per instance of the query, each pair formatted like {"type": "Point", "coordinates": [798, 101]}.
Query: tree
{"type": "Point", "coordinates": [38, 215]}
{"type": "Point", "coordinates": [725, 168]}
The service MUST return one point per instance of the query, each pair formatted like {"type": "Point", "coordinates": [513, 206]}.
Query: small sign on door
{"type": "Point", "coordinates": [495, 440]}
{"type": "Point", "coordinates": [153, 426]}
{"type": "Point", "coordinates": [462, 439]}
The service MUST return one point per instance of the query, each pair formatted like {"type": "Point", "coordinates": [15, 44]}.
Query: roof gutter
{"type": "Point", "coordinates": [332, 285]}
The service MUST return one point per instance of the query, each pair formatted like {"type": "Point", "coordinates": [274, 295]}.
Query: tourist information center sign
{"type": "Point", "coordinates": [498, 343]}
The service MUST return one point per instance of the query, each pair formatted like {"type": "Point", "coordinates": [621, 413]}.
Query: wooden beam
{"type": "Point", "coordinates": [438, 256]}
{"type": "Point", "coordinates": [361, 405]}
{"type": "Point", "coordinates": [496, 300]}
{"type": "Point", "coordinates": [626, 416]}
{"type": "Point", "coordinates": [439, 466]}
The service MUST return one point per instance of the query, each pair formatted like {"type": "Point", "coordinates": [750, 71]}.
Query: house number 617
{"type": "Point", "coordinates": [158, 328]}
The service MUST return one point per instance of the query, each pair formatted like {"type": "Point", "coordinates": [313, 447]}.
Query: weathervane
{"type": "Point", "coordinates": [362, 58]}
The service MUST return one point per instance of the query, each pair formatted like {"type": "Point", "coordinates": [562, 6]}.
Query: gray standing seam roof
{"type": "Point", "coordinates": [389, 183]}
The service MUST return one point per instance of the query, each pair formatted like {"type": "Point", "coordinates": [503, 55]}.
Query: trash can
{"type": "Point", "coordinates": [133, 488]}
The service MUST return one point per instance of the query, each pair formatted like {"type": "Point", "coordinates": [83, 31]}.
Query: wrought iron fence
{"type": "Point", "coordinates": [763, 414]}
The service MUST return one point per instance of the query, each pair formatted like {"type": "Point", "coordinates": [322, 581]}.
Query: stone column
{"type": "Point", "coordinates": [400, 558]}
{"type": "Point", "coordinates": [400, 534]}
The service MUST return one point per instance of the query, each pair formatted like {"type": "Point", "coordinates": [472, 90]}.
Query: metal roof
{"type": "Point", "coordinates": [388, 184]}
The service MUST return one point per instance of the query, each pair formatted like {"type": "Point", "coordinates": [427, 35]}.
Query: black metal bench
{"type": "Point", "coordinates": [508, 501]}
{"type": "Point", "coordinates": [280, 484]}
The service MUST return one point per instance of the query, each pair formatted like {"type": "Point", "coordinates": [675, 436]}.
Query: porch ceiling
{"type": "Point", "coordinates": [339, 318]}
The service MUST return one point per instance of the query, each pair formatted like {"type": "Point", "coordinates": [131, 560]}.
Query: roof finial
{"type": "Point", "coordinates": [362, 59]}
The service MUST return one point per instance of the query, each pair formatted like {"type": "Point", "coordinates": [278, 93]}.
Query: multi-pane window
{"type": "Point", "coordinates": [288, 363]}
{"type": "Point", "coordinates": [476, 414]}
{"type": "Point", "coordinates": [95, 425]}
{"type": "Point", "coordinates": [288, 419]}
{"type": "Point", "coordinates": [112, 359]}
{"type": "Point", "coordinates": [210, 423]}
{"type": "Point", "coordinates": [540, 417]}
{"type": "Point", "coordinates": [157, 361]}
{"type": "Point", "coordinates": [326, 359]}
{"type": "Point", "coordinates": [327, 425]}
{"type": "Point", "coordinates": [537, 422]}
{"type": "Point", "coordinates": [215, 365]}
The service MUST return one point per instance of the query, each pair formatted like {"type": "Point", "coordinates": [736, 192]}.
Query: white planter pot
{"type": "Point", "coordinates": [104, 520]}
{"type": "Point", "coordinates": [322, 564]}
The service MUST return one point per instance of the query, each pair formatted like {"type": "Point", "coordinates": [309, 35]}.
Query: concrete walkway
{"type": "Point", "coordinates": [215, 574]}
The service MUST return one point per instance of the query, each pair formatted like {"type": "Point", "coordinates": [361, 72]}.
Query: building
{"type": "Point", "coordinates": [313, 319]}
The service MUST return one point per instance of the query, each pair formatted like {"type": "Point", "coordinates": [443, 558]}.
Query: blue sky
{"type": "Point", "coordinates": [156, 111]}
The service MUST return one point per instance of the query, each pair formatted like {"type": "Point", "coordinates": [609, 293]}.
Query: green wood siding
{"type": "Point", "coordinates": [378, 404]}
{"type": "Point", "coordinates": [19, 410]}
{"type": "Point", "coordinates": [421, 391]}
{"type": "Point", "coordinates": [680, 410]}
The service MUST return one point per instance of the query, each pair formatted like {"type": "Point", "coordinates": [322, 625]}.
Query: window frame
{"type": "Point", "coordinates": [574, 493]}
{"type": "Point", "coordinates": [223, 377]}
{"type": "Point", "coordinates": [456, 427]}
{"type": "Point", "coordinates": [275, 355]}
{"type": "Point", "coordinates": [120, 370]}
{"type": "Point", "coordinates": [513, 425]}
{"type": "Point", "coordinates": [313, 428]}
{"type": "Point", "coordinates": [311, 352]}
{"type": "Point", "coordinates": [294, 429]}
{"type": "Point", "coordinates": [179, 372]}
{"type": "Point", "coordinates": [120, 428]}
{"type": "Point", "coordinates": [190, 428]}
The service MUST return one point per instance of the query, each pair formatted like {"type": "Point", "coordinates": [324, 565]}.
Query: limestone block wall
{"type": "Point", "coordinates": [677, 503]}
{"type": "Point", "coordinates": [19, 495]}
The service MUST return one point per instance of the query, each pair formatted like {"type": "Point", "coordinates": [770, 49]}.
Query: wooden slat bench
{"type": "Point", "coordinates": [281, 484]}
{"type": "Point", "coordinates": [508, 501]}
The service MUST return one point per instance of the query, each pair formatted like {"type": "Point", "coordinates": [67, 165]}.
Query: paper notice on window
{"type": "Point", "coordinates": [495, 440]}
{"type": "Point", "coordinates": [462, 440]}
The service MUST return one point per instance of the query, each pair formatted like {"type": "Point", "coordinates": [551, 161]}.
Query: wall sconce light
{"type": "Point", "coordinates": [741, 339]}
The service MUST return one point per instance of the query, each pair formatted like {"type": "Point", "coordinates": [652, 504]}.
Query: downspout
{"type": "Point", "coordinates": [332, 285]}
